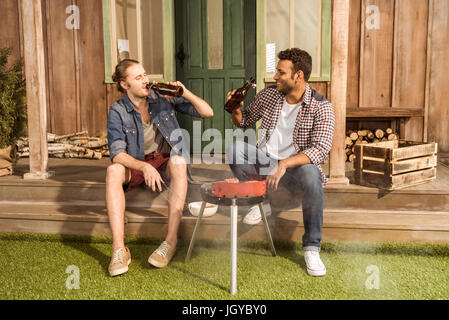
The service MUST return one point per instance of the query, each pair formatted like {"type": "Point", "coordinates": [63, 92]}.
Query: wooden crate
{"type": "Point", "coordinates": [395, 164]}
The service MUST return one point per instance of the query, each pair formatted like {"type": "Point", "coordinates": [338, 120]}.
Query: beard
{"type": "Point", "coordinates": [284, 87]}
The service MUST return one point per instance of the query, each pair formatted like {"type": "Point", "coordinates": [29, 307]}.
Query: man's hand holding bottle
{"type": "Point", "coordinates": [236, 114]}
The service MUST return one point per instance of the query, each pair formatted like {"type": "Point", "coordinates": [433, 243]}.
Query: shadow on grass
{"type": "Point", "coordinates": [86, 247]}
{"type": "Point", "coordinates": [141, 252]}
{"type": "Point", "coordinates": [180, 258]}
{"type": "Point", "coordinates": [283, 249]}
{"type": "Point", "coordinates": [268, 254]}
{"type": "Point", "coordinates": [387, 248]}
{"type": "Point", "coordinates": [298, 260]}
{"type": "Point", "coordinates": [295, 258]}
{"type": "Point", "coordinates": [200, 278]}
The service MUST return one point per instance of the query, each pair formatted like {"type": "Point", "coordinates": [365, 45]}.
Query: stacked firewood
{"type": "Point", "coordinates": [75, 145]}
{"type": "Point", "coordinates": [355, 137]}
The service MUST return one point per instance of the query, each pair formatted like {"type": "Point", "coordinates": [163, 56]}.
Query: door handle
{"type": "Point", "coordinates": [181, 55]}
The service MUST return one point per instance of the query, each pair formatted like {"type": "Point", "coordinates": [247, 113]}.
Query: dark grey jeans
{"type": "Point", "coordinates": [247, 159]}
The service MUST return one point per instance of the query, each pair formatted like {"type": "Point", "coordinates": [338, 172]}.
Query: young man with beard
{"type": "Point", "coordinates": [294, 139]}
{"type": "Point", "coordinates": [142, 150]}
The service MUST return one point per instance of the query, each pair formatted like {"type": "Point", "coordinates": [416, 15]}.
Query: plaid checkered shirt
{"type": "Point", "coordinates": [314, 127]}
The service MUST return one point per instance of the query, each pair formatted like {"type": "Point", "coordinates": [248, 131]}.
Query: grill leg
{"type": "Point", "coordinates": [192, 241]}
{"type": "Point", "coordinates": [234, 211]}
{"type": "Point", "coordinates": [267, 229]}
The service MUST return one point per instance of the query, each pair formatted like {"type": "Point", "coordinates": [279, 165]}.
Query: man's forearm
{"type": "Point", "coordinates": [295, 161]}
{"type": "Point", "coordinates": [237, 117]}
{"type": "Point", "coordinates": [199, 104]}
{"type": "Point", "coordinates": [129, 162]}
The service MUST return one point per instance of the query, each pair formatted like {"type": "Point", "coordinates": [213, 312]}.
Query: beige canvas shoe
{"type": "Point", "coordinates": [162, 255]}
{"type": "Point", "coordinates": [120, 260]}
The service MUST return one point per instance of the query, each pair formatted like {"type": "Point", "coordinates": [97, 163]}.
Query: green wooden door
{"type": "Point", "coordinates": [207, 70]}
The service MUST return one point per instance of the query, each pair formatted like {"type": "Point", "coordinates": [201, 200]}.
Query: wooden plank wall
{"type": "Point", "coordinates": [61, 69]}
{"type": "Point", "coordinates": [409, 55]}
{"type": "Point", "coordinates": [402, 66]}
{"type": "Point", "coordinates": [354, 54]}
{"type": "Point", "coordinates": [389, 63]}
{"type": "Point", "coordinates": [439, 76]}
{"type": "Point", "coordinates": [92, 89]}
{"type": "Point", "coordinates": [10, 32]}
{"type": "Point", "coordinates": [76, 68]}
{"type": "Point", "coordinates": [74, 62]}
{"type": "Point", "coordinates": [409, 61]}
{"type": "Point", "coordinates": [376, 47]}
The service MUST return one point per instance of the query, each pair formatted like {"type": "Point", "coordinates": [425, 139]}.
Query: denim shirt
{"type": "Point", "coordinates": [125, 128]}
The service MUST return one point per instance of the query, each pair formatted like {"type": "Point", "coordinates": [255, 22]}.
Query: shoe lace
{"type": "Point", "coordinates": [163, 249]}
{"type": "Point", "coordinates": [117, 256]}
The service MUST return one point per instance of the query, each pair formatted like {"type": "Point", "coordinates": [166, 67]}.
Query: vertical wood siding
{"type": "Point", "coordinates": [439, 76]}
{"type": "Point", "coordinates": [388, 68]}
{"type": "Point", "coordinates": [376, 59]}
{"type": "Point", "coordinates": [76, 68]}
{"type": "Point", "coordinates": [10, 32]}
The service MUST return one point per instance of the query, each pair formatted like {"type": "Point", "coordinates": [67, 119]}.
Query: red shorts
{"type": "Point", "coordinates": [157, 160]}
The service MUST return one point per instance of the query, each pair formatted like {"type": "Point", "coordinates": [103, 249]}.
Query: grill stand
{"type": "Point", "coordinates": [234, 213]}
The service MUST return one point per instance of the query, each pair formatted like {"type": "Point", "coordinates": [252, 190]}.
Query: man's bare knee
{"type": "Point", "coordinates": [177, 163]}
{"type": "Point", "coordinates": [177, 168]}
{"type": "Point", "coordinates": [115, 173]}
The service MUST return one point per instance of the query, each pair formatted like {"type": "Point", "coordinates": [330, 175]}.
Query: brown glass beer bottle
{"type": "Point", "coordinates": [166, 89]}
{"type": "Point", "coordinates": [239, 96]}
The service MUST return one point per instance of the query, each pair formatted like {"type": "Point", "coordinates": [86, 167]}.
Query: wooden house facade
{"type": "Point", "coordinates": [383, 63]}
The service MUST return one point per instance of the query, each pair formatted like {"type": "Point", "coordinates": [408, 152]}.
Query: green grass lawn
{"type": "Point", "coordinates": [34, 267]}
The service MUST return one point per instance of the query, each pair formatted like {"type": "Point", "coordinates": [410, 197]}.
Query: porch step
{"type": "Point", "coordinates": [72, 202]}
{"type": "Point", "coordinates": [81, 182]}
{"type": "Point", "coordinates": [344, 197]}
{"type": "Point", "coordinates": [339, 225]}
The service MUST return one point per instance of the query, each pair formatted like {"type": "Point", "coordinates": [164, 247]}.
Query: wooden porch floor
{"type": "Point", "coordinates": [72, 202]}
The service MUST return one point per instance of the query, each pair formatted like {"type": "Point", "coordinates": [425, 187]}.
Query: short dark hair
{"type": "Point", "coordinates": [301, 60]}
{"type": "Point", "coordinates": [120, 72]}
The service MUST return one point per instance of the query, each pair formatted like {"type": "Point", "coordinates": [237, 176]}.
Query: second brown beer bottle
{"type": "Point", "coordinates": [239, 96]}
{"type": "Point", "coordinates": [166, 89]}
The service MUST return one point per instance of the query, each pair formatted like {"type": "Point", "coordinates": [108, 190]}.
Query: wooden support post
{"type": "Point", "coordinates": [31, 13]}
{"type": "Point", "coordinates": [340, 53]}
{"type": "Point", "coordinates": [428, 69]}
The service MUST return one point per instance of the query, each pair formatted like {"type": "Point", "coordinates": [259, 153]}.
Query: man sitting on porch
{"type": "Point", "coordinates": [140, 126]}
{"type": "Point", "coordinates": [294, 139]}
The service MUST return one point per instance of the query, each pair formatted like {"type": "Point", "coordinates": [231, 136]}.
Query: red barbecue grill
{"type": "Point", "coordinates": [232, 193]}
{"type": "Point", "coordinates": [224, 189]}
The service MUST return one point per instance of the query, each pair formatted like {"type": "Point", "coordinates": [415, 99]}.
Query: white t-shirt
{"type": "Point", "coordinates": [280, 145]}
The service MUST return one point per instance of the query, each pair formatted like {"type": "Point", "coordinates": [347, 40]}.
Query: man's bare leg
{"type": "Point", "coordinates": [177, 169]}
{"type": "Point", "coordinates": [116, 176]}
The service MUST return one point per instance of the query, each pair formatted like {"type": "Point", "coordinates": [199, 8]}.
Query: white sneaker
{"type": "Point", "coordinates": [254, 216]}
{"type": "Point", "coordinates": [315, 267]}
